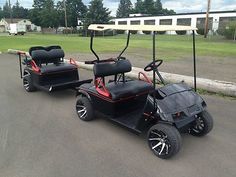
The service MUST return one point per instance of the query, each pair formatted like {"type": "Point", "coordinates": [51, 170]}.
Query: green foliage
{"type": "Point", "coordinates": [6, 10]}
{"type": "Point", "coordinates": [151, 7]}
{"type": "Point", "coordinates": [1, 13]}
{"type": "Point", "coordinates": [124, 9]}
{"type": "Point", "coordinates": [181, 32]}
{"type": "Point", "coordinates": [48, 15]}
{"type": "Point", "coordinates": [44, 13]}
{"type": "Point", "coordinates": [97, 13]}
{"type": "Point", "coordinates": [19, 11]}
{"type": "Point", "coordinates": [200, 31]}
{"type": "Point", "coordinates": [139, 7]}
{"type": "Point", "coordinates": [230, 31]}
{"type": "Point", "coordinates": [75, 10]}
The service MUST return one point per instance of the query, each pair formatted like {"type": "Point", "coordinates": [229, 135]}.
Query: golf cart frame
{"type": "Point", "coordinates": [45, 69]}
{"type": "Point", "coordinates": [138, 104]}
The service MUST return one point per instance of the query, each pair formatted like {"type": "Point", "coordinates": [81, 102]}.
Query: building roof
{"type": "Point", "coordinates": [102, 27]}
{"type": "Point", "coordinates": [14, 20]}
{"type": "Point", "coordinates": [191, 13]}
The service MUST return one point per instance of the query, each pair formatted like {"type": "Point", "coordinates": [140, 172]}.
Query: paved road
{"type": "Point", "coordinates": [41, 136]}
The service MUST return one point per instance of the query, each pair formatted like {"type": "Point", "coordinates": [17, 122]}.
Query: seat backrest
{"type": "Point", "coordinates": [111, 68]}
{"type": "Point", "coordinates": [45, 55]}
{"type": "Point", "coordinates": [43, 48]}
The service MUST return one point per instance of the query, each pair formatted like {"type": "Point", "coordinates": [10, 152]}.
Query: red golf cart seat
{"type": "Point", "coordinates": [120, 89]}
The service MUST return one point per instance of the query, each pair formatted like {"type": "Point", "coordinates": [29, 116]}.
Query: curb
{"type": "Point", "coordinates": [214, 86]}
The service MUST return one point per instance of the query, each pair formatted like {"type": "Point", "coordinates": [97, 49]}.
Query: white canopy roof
{"type": "Point", "coordinates": [102, 27]}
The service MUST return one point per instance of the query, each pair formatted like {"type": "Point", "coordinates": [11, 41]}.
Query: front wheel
{"type": "Point", "coordinates": [164, 140]}
{"type": "Point", "coordinates": [203, 124]}
{"type": "Point", "coordinates": [84, 109]}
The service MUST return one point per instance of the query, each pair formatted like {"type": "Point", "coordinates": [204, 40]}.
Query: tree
{"type": "Point", "coordinates": [124, 9]}
{"type": "Point", "coordinates": [139, 7]}
{"type": "Point", "coordinates": [1, 13]}
{"type": "Point", "coordinates": [158, 7]}
{"type": "Point", "coordinates": [149, 7]}
{"type": "Point", "coordinates": [48, 15]}
{"type": "Point", "coordinates": [97, 13]}
{"type": "Point", "coordinates": [34, 13]}
{"type": "Point", "coordinates": [19, 11]}
{"type": "Point", "coordinates": [44, 13]}
{"type": "Point", "coordinates": [6, 10]}
{"type": "Point", "coordinates": [75, 10]}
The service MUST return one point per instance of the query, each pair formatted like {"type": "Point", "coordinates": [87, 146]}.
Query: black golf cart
{"type": "Point", "coordinates": [138, 104]}
{"type": "Point", "coordinates": [45, 69]}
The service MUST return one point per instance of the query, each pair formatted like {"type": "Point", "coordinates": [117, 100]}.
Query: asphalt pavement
{"type": "Point", "coordinates": [41, 136]}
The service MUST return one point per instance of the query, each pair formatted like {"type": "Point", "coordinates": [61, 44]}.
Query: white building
{"type": "Point", "coordinates": [217, 20]}
{"type": "Point", "coordinates": [5, 24]}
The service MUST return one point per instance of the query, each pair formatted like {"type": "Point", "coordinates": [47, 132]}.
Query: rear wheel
{"type": "Point", "coordinates": [84, 109]}
{"type": "Point", "coordinates": [27, 82]}
{"type": "Point", "coordinates": [203, 124]}
{"type": "Point", "coordinates": [164, 140]}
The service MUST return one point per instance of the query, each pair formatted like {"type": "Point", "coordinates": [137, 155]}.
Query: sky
{"type": "Point", "coordinates": [179, 6]}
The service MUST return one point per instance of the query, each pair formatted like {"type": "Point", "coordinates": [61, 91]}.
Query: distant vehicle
{"type": "Point", "coordinates": [16, 29]}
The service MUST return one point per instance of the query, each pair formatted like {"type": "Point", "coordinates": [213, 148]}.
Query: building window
{"type": "Point", "coordinates": [201, 23]}
{"type": "Point", "coordinates": [184, 21]}
{"type": "Point", "coordinates": [224, 21]}
{"type": "Point", "coordinates": [136, 22]}
{"type": "Point", "coordinates": [149, 22]}
{"type": "Point", "coordinates": [166, 22]}
{"type": "Point", "coordinates": [122, 22]}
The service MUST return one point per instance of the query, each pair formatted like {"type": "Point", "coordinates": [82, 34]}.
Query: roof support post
{"type": "Point", "coordinates": [194, 63]}
{"type": "Point", "coordinates": [91, 44]}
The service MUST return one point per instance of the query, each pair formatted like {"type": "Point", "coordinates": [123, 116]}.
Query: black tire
{"type": "Point", "coordinates": [84, 109]}
{"type": "Point", "coordinates": [27, 82]}
{"type": "Point", "coordinates": [164, 140]}
{"type": "Point", "coordinates": [203, 124]}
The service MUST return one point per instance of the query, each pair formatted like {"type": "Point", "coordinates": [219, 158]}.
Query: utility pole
{"type": "Point", "coordinates": [65, 13]}
{"type": "Point", "coordinates": [207, 18]}
{"type": "Point", "coordinates": [10, 11]}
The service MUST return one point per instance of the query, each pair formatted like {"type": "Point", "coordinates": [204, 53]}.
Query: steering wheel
{"type": "Point", "coordinates": [153, 65]}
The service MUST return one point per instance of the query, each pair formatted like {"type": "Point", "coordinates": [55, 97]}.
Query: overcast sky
{"type": "Point", "coordinates": [178, 6]}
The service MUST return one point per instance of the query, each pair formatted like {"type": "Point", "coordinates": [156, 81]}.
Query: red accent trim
{"type": "Point", "coordinates": [100, 87]}
{"type": "Point", "coordinates": [109, 98]}
{"type": "Point", "coordinates": [34, 66]}
{"type": "Point", "coordinates": [145, 77]}
{"type": "Point", "coordinates": [73, 62]}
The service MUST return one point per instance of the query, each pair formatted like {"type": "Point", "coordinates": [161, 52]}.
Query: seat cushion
{"type": "Point", "coordinates": [57, 68]}
{"type": "Point", "coordinates": [128, 89]}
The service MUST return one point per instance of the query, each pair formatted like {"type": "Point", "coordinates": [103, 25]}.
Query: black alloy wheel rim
{"type": "Point", "coordinates": [159, 143]}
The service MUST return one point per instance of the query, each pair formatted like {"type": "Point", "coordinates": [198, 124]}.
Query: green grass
{"type": "Point", "coordinates": [168, 47]}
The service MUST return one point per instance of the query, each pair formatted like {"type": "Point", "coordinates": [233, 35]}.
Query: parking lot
{"type": "Point", "coordinates": [41, 136]}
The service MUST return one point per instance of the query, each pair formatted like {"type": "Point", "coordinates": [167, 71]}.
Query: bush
{"type": "Point", "coordinates": [104, 33]}
{"type": "Point", "coordinates": [161, 32]}
{"type": "Point", "coordinates": [200, 31]}
{"type": "Point", "coordinates": [181, 32]}
{"type": "Point", "coordinates": [147, 32]}
{"type": "Point", "coordinates": [230, 31]}
{"type": "Point", "coordinates": [67, 31]}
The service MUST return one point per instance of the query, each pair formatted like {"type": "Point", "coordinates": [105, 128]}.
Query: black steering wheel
{"type": "Point", "coordinates": [153, 65]}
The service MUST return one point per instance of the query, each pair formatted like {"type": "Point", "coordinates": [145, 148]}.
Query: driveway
{"type": "Point", "coordinates": [41, 136]}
